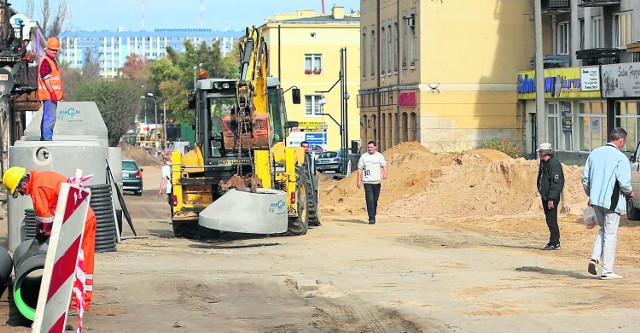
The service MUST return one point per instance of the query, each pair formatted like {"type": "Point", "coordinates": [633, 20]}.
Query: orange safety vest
{"type": "Point", "coordinates": [54, 78]}
{"type": "Point", "coordinates": [44, 189]}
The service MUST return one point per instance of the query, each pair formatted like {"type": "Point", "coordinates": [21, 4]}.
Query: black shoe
{"type": "Point", "coordinates": [551, 247]}
{"type": "Point", "coordinates": [592, 267]}
{"type": "Point", "coordinates": [372, 221]}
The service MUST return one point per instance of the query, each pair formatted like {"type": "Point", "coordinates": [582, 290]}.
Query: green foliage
{"type": "Point", "coordinates": [118, 101]}
{"type": "Point", "coordinates": [503, 145]}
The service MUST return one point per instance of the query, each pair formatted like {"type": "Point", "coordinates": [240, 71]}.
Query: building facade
{"type": "Point", "coordinates": [441, 72]}
{"type": "Point", "coordinates": [307, 50]}
{"type": "Point", "coordinates": [111, 48]}
{"type": "Point", "coordinates": [591, 58]}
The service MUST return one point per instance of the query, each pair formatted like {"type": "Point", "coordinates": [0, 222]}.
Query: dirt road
{"type": "Point", "coordinates": [427, 274]}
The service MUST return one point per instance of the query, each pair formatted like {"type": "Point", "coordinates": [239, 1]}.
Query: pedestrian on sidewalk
{"type": "Point", "coordinates": [50, 89]}
{"type": "Point", "coordinates": [550, 185]}
{"type": "Point", "coordinates": [372, 169]}
{"type": "Point", "coordinates": [607, 181]}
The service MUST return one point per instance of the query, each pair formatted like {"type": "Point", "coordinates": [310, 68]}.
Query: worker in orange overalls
{"type": "Point", "coordinates": [50, 89]}
{"type": "Point", "coordinates": [44, 188]}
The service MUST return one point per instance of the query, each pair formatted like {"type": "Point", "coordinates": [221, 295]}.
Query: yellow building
{"type": "Point", "coordinates": [306, 51]}
{"type": "Point", "coordinates": [442, 72]}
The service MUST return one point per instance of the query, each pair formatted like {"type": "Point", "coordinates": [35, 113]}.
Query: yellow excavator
{"type": "Point", "coordinates": [241, 176]}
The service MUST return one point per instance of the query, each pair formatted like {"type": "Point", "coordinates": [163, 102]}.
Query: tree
{"type": "Point", "coordinates": [51, 20]}
{"type": "Point", "coordinates": [90, 68]}
{"type": "Point", "coordinates": [118, 101]}
{"type": "Point", "coordinates": [137, 68]}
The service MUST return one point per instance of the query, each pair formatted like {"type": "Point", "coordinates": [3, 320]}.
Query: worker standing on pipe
{"type": "Point", "coordinates": [44, 188]}
{"type": "Point", "coordinates": [50, 89]}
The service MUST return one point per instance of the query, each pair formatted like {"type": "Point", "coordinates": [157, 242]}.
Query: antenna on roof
{"type": "Point", "coordinates": [322, 6]}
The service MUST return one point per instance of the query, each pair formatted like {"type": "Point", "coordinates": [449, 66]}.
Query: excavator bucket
{"type": "Point", "coordinates": [263, 212]}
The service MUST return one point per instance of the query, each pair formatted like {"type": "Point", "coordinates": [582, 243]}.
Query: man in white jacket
{"type": "Point", "coordinates": [372, 168]}
{"type": "Point", "coordinates": [607, 181]}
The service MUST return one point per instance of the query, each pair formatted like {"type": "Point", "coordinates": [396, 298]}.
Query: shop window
{"type": "Point", "coordinates": [592, 123]}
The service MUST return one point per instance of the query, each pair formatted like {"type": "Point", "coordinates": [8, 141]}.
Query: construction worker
{"type": "Point", "coordinates": [49, 88]}
{"type": "Point", "coordinates": [44, 188]}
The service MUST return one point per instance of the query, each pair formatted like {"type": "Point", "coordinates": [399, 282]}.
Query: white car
{"type": "Point", "coordinates": [633, 205]}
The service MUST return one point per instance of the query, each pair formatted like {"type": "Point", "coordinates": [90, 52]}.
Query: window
{"type": "Point", "coordinates": [312, 105]}
{"type": "Point", "coordinates": [405, 45]}
{"type": "Point", "coordinates": [373, 53]}
{"type": "Point", "coordinates": [563, 38]}
{"type": "Point", "coordinates": [596, 32]}
{"type": "Point", "coordinates": [552, 124]}
{"type": "Point", "coordinates": [313, 64]}
{"type": "Point", "coordinates": [412, 36]}
{"type": "Point", "coordinates": [592, 123]}
{"type": "Point", "coordinates": [622, 27]}
{"type": "Point", "coordinates": [363, 54]}
{"type": "Point", "coordinates": [389, 50]}
{"type": "Point", "coordinates": [627, 116]}
{"type": "Point", "coordinates": [395, 47]}
{"type": "Point", "coordinates": [383, 51]}
{"type": "Point", "coordinates": [581, 34]}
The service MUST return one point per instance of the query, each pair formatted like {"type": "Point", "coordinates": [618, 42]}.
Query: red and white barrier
{"type": "Point", "coordinates": [60, 264]}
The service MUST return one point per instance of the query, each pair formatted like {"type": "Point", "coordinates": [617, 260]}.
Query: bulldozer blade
{"type": "Point", "coordinates": [263, 212]}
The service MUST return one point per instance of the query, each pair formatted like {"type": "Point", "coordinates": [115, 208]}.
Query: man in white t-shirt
{"type": "Point", "coordinates": [165, 181]}
{"type": "Point", "coordinates": [372, 169]}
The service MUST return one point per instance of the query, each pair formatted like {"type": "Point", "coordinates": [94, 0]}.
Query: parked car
{"type": "Point", "coordinates": [131, 177]}
{"type": "Point", "coordinates": [331, 160]}
{"type": "Point", "coordinates": [315, 151]}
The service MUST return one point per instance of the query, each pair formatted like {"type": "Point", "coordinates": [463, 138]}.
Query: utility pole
{"type": "Point", "coordinates": [540, 109]}
{"type": "Point", "coordinates": [164, 123]}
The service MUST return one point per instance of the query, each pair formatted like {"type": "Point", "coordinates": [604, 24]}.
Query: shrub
{"type": "Point", "coordinates": [503, 145]}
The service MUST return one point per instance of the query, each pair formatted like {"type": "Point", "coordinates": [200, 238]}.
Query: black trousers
{"type": "Point", "coordinates": [371, 194]}
{"type": "Point", "coordinates": [551, 216]}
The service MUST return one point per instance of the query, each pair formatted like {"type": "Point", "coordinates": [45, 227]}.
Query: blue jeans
{"type": "Point", "coordinates": [48, 120]}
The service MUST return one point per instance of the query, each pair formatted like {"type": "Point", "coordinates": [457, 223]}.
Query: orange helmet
{"type": "Point", "coordinates": [53, 43]}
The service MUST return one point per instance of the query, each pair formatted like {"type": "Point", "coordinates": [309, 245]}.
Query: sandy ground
{"type": "Point", "coordinates": [456, 249]}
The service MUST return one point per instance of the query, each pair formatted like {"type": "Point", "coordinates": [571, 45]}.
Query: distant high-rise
{"type": "Point", "coordinates": [111, 48]}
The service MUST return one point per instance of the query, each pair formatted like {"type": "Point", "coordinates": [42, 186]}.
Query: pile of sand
{"type": "Point", "coordinates": [481, 182]}
{"type": "Point", "coordinates": [140, 155]}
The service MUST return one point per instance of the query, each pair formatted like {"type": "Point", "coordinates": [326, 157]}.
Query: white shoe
{"type": "Point", "coordinates": [610, 276]}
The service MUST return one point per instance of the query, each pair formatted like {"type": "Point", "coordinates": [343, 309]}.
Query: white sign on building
{"type": "Point", "coordinates": [590, 78]}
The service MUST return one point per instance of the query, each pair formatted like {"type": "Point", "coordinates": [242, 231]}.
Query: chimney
{"type": "Point", "coordinates": [337, 12]}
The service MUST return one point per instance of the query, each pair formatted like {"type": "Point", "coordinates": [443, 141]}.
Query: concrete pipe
{"type": "Point", "coordinates": [28, 278]}
{"type": "Point", "coordinates": [6, 267]}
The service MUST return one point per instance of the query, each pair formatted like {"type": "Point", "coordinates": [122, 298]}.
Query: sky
{"type": "Point", "coordinates": [217, 14]}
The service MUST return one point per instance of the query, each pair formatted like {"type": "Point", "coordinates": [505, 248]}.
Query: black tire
{"type": "Point", "coordinates": [312, 192]}
{"type": "Point", "coordinates": [632, 212]}
{"type": "Point", "coordinates": [300, 224]}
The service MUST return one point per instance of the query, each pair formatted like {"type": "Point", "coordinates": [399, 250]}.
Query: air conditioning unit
{"type": "Point", "coordinates": [411, 21]}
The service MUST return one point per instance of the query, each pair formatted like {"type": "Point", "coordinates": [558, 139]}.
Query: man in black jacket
{"type": "Point", "coordinates": [550, 184]}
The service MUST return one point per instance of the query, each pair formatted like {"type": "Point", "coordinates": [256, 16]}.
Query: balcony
{"type": "Point", "coordinates": [555, 7]}
{"type": "Point", "coordinates": [553, 61]}
{"type": "Point", "coordinates": [598, 3]}
{"type": "Point", "coordinates": [599, 56]}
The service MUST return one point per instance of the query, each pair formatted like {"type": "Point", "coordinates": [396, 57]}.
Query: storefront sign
{"type": "Point", "coordinates": [567, 122]}
{"type": "Point", "coordinates": [590, 78]}
{"type": "Point", "coordinates": [621, 80]}
{"type": "Point", "coordinates": [562, 83]}
{"type": "Point", "coordinates": [316, 125]}
{"type": "Point", "coordinates": [408, 98]}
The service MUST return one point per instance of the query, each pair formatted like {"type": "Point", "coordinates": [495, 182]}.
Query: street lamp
{"type": "Point", "coordinates": [195, 78]}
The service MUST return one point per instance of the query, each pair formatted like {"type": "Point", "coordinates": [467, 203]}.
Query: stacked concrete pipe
{"type": "Point", "coordinates": [6, 266]}
{"type": "Point", "coordinates": [28, 270]}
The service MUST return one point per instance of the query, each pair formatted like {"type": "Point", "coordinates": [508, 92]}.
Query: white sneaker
{"type": "Point", "coordinates": [611, 276]}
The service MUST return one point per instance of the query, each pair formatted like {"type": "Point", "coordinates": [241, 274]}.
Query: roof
{"type": "Point", "coordinates": [319, 20]}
